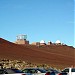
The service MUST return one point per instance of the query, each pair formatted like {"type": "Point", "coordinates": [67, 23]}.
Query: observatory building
{"type": "Point", "coordinates": [58, 42]}
{"type": "Point", "coordinates": [21, 39]}
{"type": "Point", "coordinates": [49, 43]}
{"type": "Point", "coordinates": [42, 42]}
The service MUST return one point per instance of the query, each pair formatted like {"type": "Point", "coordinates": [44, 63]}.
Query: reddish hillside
{"type": "Point", "coordinates": [47, 54]}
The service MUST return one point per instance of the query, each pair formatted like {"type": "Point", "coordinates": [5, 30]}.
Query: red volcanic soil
{"type": "Point", "coordinates": [48, 54]}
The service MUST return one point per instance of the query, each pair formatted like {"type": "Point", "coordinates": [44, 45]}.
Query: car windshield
{"type": "Point", "coordinates": [42, 70]}
{"type": "Point", "coordinates": [53, 70]}
{"type": "Point", "coordinates": [1, 71]}
{"type": "Point", "coordinates": [65, 70]}
{"type": "Point", "coordinates": [29, 71]}
{"type": "Point", "coordinates": [10, 71]}
{"type": "Point", "coordinates": [34, 70]}
{"type": "Point", "coordinates": [73, 70]}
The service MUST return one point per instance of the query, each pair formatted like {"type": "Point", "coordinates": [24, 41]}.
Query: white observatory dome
{"type": "Point", "coordinates": [42, 41]}
{"type": "Point", "coordinates": [58, 41]}
{"type": "Point", "coordinates": [49, 41]}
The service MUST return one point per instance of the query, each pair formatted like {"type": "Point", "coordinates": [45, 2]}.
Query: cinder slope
{"type": "Point", "coordinates": [53, 54]}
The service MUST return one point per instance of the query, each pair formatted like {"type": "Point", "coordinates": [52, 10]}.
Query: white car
{"type": "Point", "coordinates": [68, 71]}
{"type": "Point", "coordinates": [11, 72]}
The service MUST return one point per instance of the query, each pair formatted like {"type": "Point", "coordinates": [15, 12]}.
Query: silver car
{"type": "Point", "coordinates": [34, 71]}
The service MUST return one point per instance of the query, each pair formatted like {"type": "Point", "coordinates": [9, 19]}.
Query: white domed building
{"type": "Point", "coordinates": [58, 42]}
{"type": "Point", "coordinates": [42, 42]}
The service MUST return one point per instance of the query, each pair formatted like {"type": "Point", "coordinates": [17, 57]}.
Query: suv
{"type": "Point", "coordinates": [68, 71]}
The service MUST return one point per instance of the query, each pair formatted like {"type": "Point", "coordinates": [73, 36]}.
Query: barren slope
{"type": "Point", "coordinates": [57, 55]}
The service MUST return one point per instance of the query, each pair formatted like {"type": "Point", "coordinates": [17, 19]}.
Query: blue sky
{"type": "Point", "coordinates": [48, 20]}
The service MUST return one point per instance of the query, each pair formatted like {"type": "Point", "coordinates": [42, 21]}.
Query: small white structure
{"type": "Point", "coordinates": [58, 42]}
{"type": "Point", "coordinates": [49, 42]}
{"type": "Point", "coordinates": [42, 42]}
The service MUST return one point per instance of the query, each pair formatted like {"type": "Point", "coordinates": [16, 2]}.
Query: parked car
{"type": "Point", "coordinates": [63, 73]}
{"type": "Point", "coordinates": [68, 71]}
{"type": "Point", "coordinates": [34, 71]}
{"type": "Point", "coordinates": [53, 71]}
{"type": "Point", "coordinates": [10, 71]}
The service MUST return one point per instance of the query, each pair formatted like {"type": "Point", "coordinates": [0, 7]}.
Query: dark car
{"type": "Point", "coordinates": [53, 71]}
{"type": "Point", "coordinates": [63, 73]}
{"type": "Point", "coordinates": [11, 71]}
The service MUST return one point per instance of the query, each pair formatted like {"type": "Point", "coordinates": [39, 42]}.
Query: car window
{"type": "Point", "coordinates": [11, 71]}
{"type": "Point", "coordinates": [56, 71]}
{"type": "Point", "coordinates": [29, 71]}
{"type": "Point", "coordinates": [3, 72]}
{"type": "Point", "coordinates": [73, 70]}
{"type": "Point", "coordinates": [66, 70]}
{"type": "Point", "coordinates": [33, 71]}
{"type": "Point", "coordinates": [25, 71]}
{"type": "Point", "coordinates": [53, 70]}
{"type": "Point", "coordinates": [41, 70]}
{"type": "Point", "coordinates": [17, 71]}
